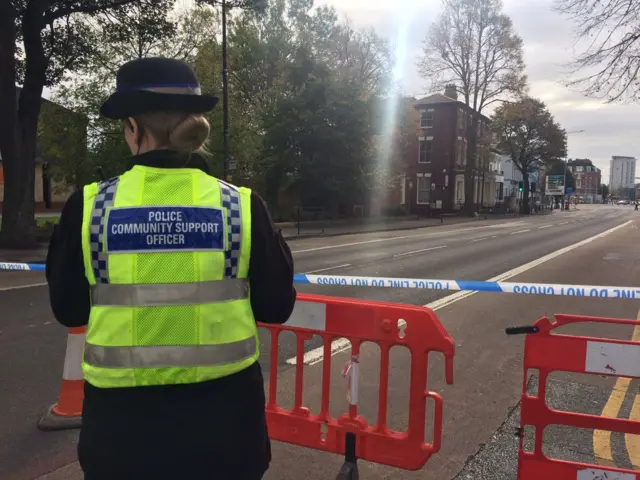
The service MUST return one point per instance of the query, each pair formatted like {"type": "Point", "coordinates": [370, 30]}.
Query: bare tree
{"type": "Point", "coordinates": [360, 57]}
{"type": "Point", "coordinates": [473, 46]}
{"type": "Point", "coordinates": [610, 61]}
{"type": "Point", "coordinates": [528, 134]}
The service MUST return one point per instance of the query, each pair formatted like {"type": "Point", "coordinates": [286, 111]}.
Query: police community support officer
{"type": "Point", "coordinates": [169, 268]}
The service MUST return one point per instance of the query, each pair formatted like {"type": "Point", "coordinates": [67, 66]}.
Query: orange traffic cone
{"type": "Point", "coordinates": [66, 414]}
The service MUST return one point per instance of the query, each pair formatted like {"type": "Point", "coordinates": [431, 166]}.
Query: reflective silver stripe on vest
{"type": "Point", "coordinates": [159, 294]}
{"type": "Point", "coordinates": [169, 356]}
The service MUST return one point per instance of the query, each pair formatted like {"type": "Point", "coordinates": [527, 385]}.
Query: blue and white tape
{"type": "Point", "coordinates": [430, 284]}
{"type": "Point", "coordinates": [473, 285]}
{"type": "Point", "coordinates": [38, 267]}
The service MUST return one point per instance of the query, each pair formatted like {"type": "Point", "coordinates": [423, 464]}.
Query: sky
{"type": "Point", "coordinates": [549, 46]}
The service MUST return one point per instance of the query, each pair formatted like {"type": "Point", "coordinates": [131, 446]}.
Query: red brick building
{"type": "Point", "coordinates": [588, 178]}
{"type": "Point", "coordinates": [434, 177]}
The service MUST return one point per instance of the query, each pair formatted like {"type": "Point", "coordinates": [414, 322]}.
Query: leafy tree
{"type": "Point", "coordinates": [611, 59]}
{"type": "Point", "coordinates": [134, 31]}
{"type": "Point", "coordinates": [527, 132]}
{"type": "Point", "coordinates": [39, 41]}
{"type": "Point", "coordinates": [473, 46]}
{"type": "Point", "coordinates": [62, 136]}
{"type": "Point", "coordinates": [318, 139]}
{"type": "Point", "coordinates": [604, 190]}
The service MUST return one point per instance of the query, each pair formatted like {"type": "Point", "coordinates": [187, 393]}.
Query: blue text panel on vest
{"type": "Point", "coordinates": [164, 229]}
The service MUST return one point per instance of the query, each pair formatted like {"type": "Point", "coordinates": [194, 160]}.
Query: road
{"type": "Point", "coordinates": [488, 364]}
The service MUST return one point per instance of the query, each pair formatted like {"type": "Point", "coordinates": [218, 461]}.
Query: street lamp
{"type": "Point", "coordinates": [259, 6]}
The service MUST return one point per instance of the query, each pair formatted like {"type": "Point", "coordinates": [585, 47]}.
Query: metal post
{"type": "Point", "coordinates": [565, 184]}
{"type": "Point", "coordinates": [225, 94]}
{"type": "Point", "coordinates": [349, 470]}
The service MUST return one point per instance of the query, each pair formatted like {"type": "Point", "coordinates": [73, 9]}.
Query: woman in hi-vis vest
{"type": "Point", "coordinates": [169, 268]}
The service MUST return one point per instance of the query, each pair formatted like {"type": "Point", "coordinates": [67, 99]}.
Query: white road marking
{"type": "Point", "coordinates": [520, 231]}
{"type": "Point", "coordinates": [315, 356]}
{"type": "Point", "coordinates": [328, 268]}
{"type": "Point", "coordinates": [495, 236]}
{"type": "Point", "coordinates": [545, 226]}
{"type": "Point", "coordinates": [419, 251]}
{"type": "Point", "coordinates": [18, 287]}
{"type": "Point", "coordinates": [404, 237]}
{"type": "Point", "coordinates": [564, 223]}
{"type": "Point", "coordinates": [478, 240]}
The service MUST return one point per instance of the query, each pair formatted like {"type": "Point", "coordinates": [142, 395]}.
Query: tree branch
{"type": "Point", "coordinates": [100, 6]}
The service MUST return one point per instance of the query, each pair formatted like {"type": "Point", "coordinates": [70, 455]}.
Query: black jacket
{"type": "Point", "coordinates": [214, 429]}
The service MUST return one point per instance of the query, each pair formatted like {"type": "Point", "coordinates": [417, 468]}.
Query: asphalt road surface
{"type": "Point", "coordinates": [488, 364]}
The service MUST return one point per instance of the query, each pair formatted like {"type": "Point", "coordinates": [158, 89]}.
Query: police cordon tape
{"type": "Point", "coordinates": [473, 285]}
{"type": "Point", "coordinates": [429, 284]}
{"type": "Point", "coordinates": [37, 267]}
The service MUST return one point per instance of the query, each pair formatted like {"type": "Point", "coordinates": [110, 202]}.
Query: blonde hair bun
{"type": "Point", "coordinates": [190, 134]}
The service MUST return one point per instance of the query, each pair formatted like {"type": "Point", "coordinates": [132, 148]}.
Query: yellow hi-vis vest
{"type": "Point", "coordinates": [166, 252]}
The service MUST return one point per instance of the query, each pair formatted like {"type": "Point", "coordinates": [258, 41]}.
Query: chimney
{"type": "Point", "coordinates": [451, 91]}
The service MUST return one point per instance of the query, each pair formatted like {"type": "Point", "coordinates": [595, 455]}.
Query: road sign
{"type": "Point", "coordinates": [555, 185]}
{"type": "Point", "coordinates": [569, 190]}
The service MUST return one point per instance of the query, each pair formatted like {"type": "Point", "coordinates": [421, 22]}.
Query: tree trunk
{"type": "Point", "coordinates": [18, 225]}
{"type": "Point", "coordinates": [472, 147]}
{"type": "Point", "coordinates": [525, 193]}
{"type": "Point", "coordinates": [10, 140]}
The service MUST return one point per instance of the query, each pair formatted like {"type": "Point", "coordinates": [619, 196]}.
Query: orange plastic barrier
{"type": "Point", "coordinates": [388, 325]}
{"type": "Point", "coordinates": [67, 412]}
{"type": "Point", "coordinates": [549, 352]}
{"type": "Point", "coordinates": [416, 328]}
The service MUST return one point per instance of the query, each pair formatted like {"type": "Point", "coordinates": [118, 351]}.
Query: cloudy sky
{"type": "Point", "coordinates": [549, 46]}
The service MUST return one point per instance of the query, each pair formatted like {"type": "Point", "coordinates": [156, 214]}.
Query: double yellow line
{"type": "Point", "coordinates": [602, 438]}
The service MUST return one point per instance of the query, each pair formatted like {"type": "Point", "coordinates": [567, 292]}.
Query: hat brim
{"type": "Point", "coordinates": [121, 105]}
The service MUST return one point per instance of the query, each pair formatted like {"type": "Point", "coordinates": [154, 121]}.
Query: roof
{"type": "Point", "coordinates": [436, 98]}
{"type": "Point", "coordinates": [580, 162]}
{"type": "Point", "coordinates": [440, 99]}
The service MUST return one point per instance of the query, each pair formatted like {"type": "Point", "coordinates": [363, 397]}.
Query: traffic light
{"type": "Point", "coordinates": [520, 185]}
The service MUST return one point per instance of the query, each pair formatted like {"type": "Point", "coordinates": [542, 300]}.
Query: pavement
{"type": "Point", "coordinates": [291, 230]}
{"type": "Point", "coordinates": [481, 406]}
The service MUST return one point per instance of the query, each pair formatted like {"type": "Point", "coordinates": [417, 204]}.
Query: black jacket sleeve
{"type": "Point", "coordinates": [69, 292]}
{"type": "Point", "coordinates": [270, 268]}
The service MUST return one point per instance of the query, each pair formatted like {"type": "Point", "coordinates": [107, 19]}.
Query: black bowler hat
{"type": "Point", "coordinates": [152, 84]}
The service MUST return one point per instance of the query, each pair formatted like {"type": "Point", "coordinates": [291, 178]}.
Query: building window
{"type": "Point", "coordinates": [462, 151]}
{"type": "Point", "coordinates": [426, 119]}
{"type": "Point", "coordinates": [403, 189]}
{"type": "Point", "coordinates": [423, 190]}
{"type": "Point", "coordinates": [426, 149]}
{"type": "Point", "coordinates": [460, 120]}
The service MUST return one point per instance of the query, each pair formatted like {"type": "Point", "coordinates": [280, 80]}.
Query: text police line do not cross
{"type": "Point", "coordinates": [476, 286]}
{"type": "Point", "coordinates": [164, 228]}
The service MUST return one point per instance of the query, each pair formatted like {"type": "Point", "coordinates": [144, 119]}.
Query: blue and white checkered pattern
{"type": "Point", "coordinates": [104, 199]}
{"type": "Point", "coordinates": [230, 199]}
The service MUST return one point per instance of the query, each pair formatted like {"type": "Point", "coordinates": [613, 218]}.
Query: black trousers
{"type": "Point", "coordinates": [210, 430]}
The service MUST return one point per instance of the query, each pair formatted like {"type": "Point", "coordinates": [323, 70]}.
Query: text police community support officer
{"type": "Point", "coordinates": [169, 268]}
